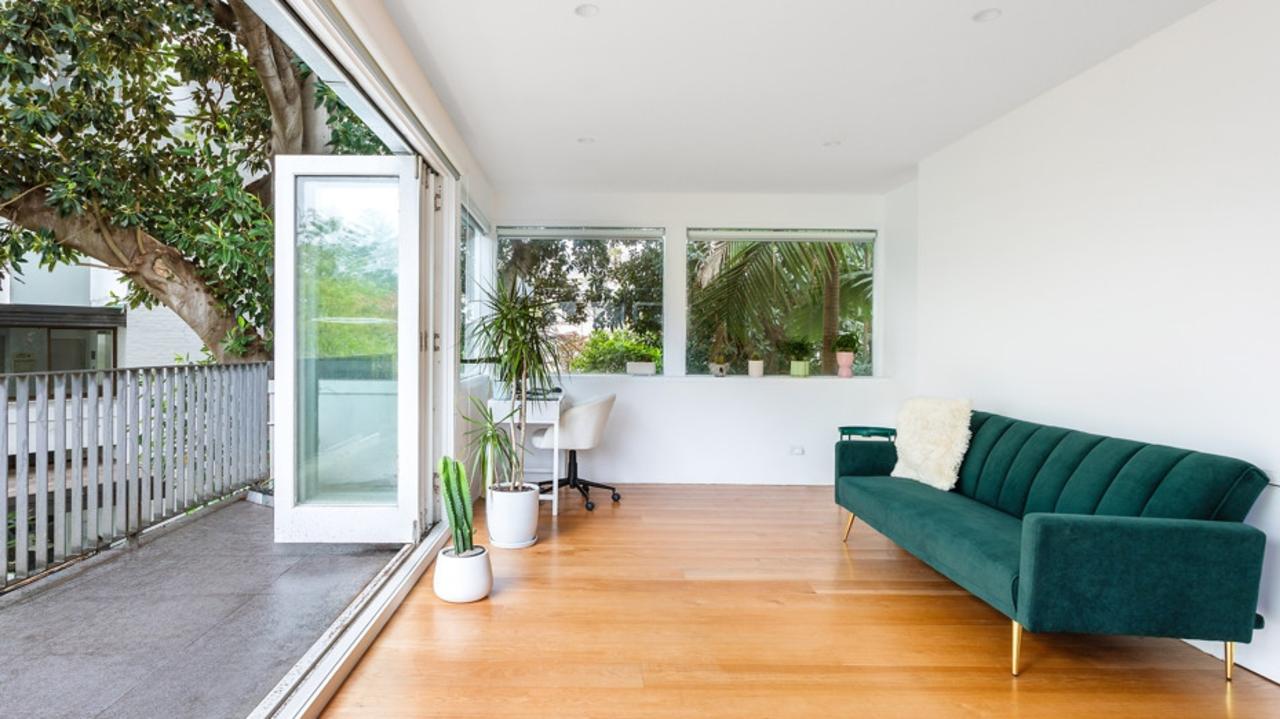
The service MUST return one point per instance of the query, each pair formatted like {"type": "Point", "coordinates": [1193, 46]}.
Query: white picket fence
{"type": "Point", "coordinates": [95, 456]}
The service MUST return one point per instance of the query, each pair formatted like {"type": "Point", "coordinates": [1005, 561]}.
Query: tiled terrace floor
{"type": "Point", "coordinates": [201, 621]}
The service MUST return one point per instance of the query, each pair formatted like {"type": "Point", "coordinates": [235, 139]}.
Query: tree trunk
{"type": "Point", "coordinates": [280, 79]}
{"type": "Point", "coordinates": [830, 311]}
{"type": "Point", "coordinates": [156, 267]}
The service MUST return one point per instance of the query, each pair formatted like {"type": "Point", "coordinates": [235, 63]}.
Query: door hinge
{"type": "Point", "coordinates": [439, 198]}
{"type": "Point", "coordinates": [435, 341]}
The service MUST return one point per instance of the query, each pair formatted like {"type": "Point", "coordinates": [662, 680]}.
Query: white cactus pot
{"type": "Point", "coordinates": [512, 516]}
{"type": "Point", "coordinates": [462, 578]}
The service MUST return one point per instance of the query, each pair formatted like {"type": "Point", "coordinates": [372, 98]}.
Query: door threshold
{"type": "Point", "coordinates": [309, 685]}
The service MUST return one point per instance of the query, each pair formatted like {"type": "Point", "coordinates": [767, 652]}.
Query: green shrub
{"type": "Point", "coordinates": [797, 349]}
{"type": "Point", "coordinates": [848, 342]}
{"type": "Point", "coordinates": [609, 351]}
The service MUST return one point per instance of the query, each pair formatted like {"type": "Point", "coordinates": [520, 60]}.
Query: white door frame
{"type": "Point", "coordinates": [400, 522]}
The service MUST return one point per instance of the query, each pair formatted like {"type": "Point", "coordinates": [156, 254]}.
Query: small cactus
{"type": "Point", "coordinates": [457, 503]}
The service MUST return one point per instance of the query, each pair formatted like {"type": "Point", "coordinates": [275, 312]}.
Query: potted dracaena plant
{"type": "Point", "coordinates": [463, 572]}
{"type": "Point", "coordinates": [846, 347]}
{"type": "Point", "coordinates": [515, 337]}
{"type": "Point", "coordinates": [800, 352]}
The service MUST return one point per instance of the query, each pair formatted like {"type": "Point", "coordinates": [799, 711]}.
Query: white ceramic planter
{"type": "Point", "coordinates": [718, 369]}
{"type": "Point", "coordinates": [844, 363]}
{"type": "Point", "coordinates": [643, 369]}
{"type": "Point", "coordinates": [512, 516]}
{"type": "Point", "coordinates": [460, 579]}
{"type": "Point", "coordinates": [755, 368]}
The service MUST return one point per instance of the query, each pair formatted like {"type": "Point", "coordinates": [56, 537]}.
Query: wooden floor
{"type": "Point", "coordinates": [702, 601]}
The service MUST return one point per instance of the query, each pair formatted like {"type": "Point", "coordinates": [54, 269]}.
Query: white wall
{"type": "Point", "coordinates": [736, 429]}
{"type": "Point", "coordinates": [382, 36]}
{"type": "Point", "coordinates": [64, 285]}
{"type": "Point", "coordinates": [732, 430]}
{"type": "Point", "coordinates": [1105, 257]}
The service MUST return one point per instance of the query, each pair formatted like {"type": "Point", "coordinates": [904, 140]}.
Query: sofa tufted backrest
{"type": "Point", "coordinates": [1020, 467]}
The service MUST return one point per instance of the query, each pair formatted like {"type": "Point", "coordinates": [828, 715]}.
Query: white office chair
{"type": "Point", "coordinates": [581, 427]}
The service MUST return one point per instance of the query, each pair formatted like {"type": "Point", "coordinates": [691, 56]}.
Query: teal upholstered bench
{"type": "Point", "coordinates": [1065, 531]}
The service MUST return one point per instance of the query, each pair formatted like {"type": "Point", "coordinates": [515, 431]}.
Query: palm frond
{"type": "Point", "coordinates": [752, 284]}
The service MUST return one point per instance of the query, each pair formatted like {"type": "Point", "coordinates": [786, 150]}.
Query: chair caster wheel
{"type": "Point", "coordinates": [590, 505]}
{"type": "Point", "coordinates": [616, 496]}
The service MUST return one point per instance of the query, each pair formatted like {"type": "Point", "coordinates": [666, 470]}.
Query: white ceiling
{"type": "Point", "coordinates": [740, 95]}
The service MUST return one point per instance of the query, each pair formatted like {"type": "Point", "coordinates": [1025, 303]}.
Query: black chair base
{"type": "Point", "coordinates": [584, 486]}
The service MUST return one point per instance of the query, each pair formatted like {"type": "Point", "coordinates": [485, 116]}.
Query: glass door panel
{"type": "Point", "coordinates": [349, 430]}
{"type": "Point", "coordinates": [347, 273]}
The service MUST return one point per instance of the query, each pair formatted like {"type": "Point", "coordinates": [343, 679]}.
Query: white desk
{"type": "Point", "coordinates": [540, 412]}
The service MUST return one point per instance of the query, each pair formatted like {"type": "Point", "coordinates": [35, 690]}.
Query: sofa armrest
{"type": "Point", "coordinates": [865, 458]}
{"type": "Point", "coordinates": [1185, 578]}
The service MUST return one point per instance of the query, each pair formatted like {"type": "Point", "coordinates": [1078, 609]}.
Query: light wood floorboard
{"type": "Point", "coordinates": [735, 601]}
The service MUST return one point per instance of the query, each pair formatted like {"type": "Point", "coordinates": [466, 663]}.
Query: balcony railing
{"type": "Point", "coordinates": [97, 456]}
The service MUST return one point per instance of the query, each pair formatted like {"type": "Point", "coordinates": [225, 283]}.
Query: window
{"type": "Point", "coordinates": [47, 338]}
{"type": "Point", "coordinates": [81, 349]}
{"type": "Point", "coordinates": [477, 266]}
{"type": "Point", "coordinates": [605, 284]}
{"type": "Point", "coordinates": [778, 296]}
{"type": "Point", "coordinates": [54, 349]}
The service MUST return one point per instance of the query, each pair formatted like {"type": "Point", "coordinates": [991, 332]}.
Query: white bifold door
{"type": "Point", "coordinates": [351, 237]}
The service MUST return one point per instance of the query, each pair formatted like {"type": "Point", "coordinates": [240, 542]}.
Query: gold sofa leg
{"type": "Point", "coordinates": [1017, 646]}
{"type": "Point", "coordinates": [847, 526]}
{"type": "Point", "coordinates": [1228, 657]}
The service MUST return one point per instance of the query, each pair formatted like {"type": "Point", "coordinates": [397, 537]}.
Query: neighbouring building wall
{"type": "Point", "coordinates": [158, 337]}
{"type": "Point", "coordinates": [702, 429]}
{"type": "Point", "coordinates": [151, 336]}
{"type": "Point", "coordinates": [64, 285]}
{"type": "Point", "coordinates": [1105, 257]}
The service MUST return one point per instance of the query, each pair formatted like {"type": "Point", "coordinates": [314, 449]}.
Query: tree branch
{"type": "Point", "coordinates": [156, 267]}
{"type": "Point", "coordinates": [223, 16]}
{"type": "Point", "coordinates": [280, 82]}
{"type": "Point", "coordinates": [14, 200]}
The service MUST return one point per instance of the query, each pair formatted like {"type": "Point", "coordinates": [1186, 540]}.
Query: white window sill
{"type": "Point", "coordinates": [729, 378]}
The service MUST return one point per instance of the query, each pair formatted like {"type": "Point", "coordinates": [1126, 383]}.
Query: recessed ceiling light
{"type": "Point", "coordinates": [831, 143]}
{"type": "Point", "coordinates": [587, 10]}
{"type": "Point", "coordinates": [587, 140]}
{"type": "Point", "coordinates": [991, 13]}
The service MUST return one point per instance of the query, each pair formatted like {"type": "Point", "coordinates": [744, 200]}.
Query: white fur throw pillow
{"type": "Point", "coordinates": [933, 435]}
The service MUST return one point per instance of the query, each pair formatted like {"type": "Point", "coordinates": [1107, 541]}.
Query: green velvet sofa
{"type": "Point", "coordinates": [1065, 531]}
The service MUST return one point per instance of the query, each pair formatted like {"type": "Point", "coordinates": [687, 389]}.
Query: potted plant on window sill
{"type": "Point", "coordinates": [846, 347]}
{"type": "Point", "coordinates": [516, 338]}
{"type": "Point", "coordinates": [719, 364]}
{"type": "Point", "coordinates": [800, 352]}
{"type": "Point", "coordinates": [463, 572]}
{"type": "Point", "coordinates": [755, 365]}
